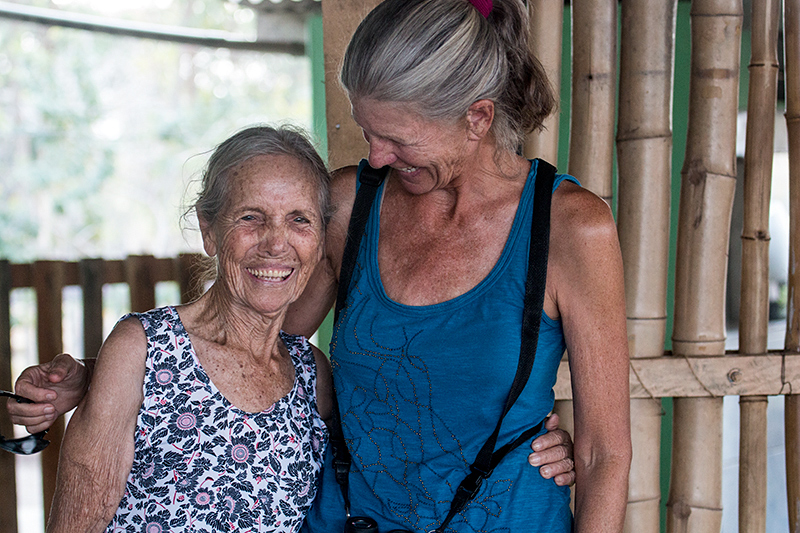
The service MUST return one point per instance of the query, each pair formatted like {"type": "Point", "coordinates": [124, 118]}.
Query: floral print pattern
{"type": "Point", "coordinates": [200, 463]}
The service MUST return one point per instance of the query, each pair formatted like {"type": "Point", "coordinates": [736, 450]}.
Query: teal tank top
{"type": "Point", "coordinates": [420, 388]}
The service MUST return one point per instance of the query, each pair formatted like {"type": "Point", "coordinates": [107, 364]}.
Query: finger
{"type": "Point", "coordinates": [28, 389]}
{"type": "Point", "coordinates": [557, 468]}
{"type": "Point", "coordinates": [60, 367]}
{"type": "Point", "coordinates": [551, 422]}
{"type": "Point", "coordinates": [565, 480]}
{"type": "Point", "coordinates": [35, 417]}
{"type": "Point", "coordinates": [549, 455]}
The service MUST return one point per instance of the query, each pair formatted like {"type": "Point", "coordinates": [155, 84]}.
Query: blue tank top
{"type": "Point", "coordinates": [420, 388]}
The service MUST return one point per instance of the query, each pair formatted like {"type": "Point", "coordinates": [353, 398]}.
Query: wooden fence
{"type": "Point", "coordinates": [48, 279]}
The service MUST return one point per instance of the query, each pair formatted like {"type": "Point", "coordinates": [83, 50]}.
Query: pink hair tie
{"type": "Point", "coordinates": [483, 6]}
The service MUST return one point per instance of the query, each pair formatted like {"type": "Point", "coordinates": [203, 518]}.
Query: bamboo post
{"type": "Point", "coordinates": [791, 33]}
{"type": "Point", "coordinates": [707, 188]}
{"type": "Point", "coordinates": [139, 270]}
{"type": "Point", "coordinates": [754, 313]}
{"type": "Point", "coordinates": [91, 277]}
{"type": "Point", "coordinates": [546, 35]}
{"type": "Point", "coordinates": [8, 503]}
{"type": "Point", "coordinates": [48, 282]}
{"type": "Point", "coordinates": [644, 153]}
{"type": "Point", "coordinates": [594, 74]}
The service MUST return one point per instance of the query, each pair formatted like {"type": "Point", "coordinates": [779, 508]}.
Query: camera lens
{"type": "Point", "coordinates": [360, 524]}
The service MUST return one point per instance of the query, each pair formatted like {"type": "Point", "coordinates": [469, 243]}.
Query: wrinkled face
{"type": "Point", "coordinates": [426, 154]}
{"type": "Point", "coordinates": [269, 236]}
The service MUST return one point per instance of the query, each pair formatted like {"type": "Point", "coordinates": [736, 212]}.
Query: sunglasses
{"type": "Point", "coordinates": [24, 445]}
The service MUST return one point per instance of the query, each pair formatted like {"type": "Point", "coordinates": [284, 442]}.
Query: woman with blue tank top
{"type": "Point", "coordinates": [427, 342]}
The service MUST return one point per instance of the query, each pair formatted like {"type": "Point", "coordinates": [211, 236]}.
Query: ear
{"type": "Point", "coordinates": [209, 238]}
{"type": "Point", "coordinates": [480, 116]}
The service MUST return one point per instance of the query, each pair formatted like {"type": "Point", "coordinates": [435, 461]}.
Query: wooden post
{"type": "Point", "coordinates": [8, 503]}
{"type": "Point", "coordinates": [644, 153]}
{"type": "Point", "coordinates": [340, 18]}
{"type": "Point", "coordinates": [188, 273]}
{"type": "Point", "coordinates": [707, 188]}
{"type": "Point", "coordinates": [754, 313]}
{"type": "Point", "coordinates": [91, 278]}
{"type": "Point", "coordinates": [139, 274]}
{"type": "Point", "coordinates": [791, 33]}
{"type": "Point", "coordinates": [594, 74]}
{"type": "Point", "coordinates": [48, 281]}
{"type": "Point", "coordinates": [546, 34]}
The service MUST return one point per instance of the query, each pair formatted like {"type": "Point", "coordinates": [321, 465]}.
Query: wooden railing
{"type": "Point", "coordinates": [48, 279]}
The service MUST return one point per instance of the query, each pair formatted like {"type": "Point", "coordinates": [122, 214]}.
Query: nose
{"type": "Point", "coordinates": [381, 152]}
{"type": "Point", "coordinates": [274, 239]}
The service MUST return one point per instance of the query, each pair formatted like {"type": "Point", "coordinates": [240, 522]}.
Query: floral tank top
{"type": "Point", "coordinates": [200, 463]}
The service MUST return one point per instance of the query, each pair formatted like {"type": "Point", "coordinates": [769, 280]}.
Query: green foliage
{"type": "Point", "coordinates": [98, 132]}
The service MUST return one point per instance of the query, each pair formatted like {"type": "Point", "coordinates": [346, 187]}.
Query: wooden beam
{"type": "Point", "coordinates": [705, 377]}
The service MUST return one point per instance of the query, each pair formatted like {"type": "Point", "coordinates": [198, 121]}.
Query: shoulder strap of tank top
{"type": "Point", "coordinates": [370, 179]}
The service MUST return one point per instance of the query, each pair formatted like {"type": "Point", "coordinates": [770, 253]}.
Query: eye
{"type": "Point", "coordinates": [248, 218]}
{"type": "Point", "coordinates": [301, 220]}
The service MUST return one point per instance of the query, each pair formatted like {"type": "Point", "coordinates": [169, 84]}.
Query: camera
{"type": "Point", "coordinates": [365, 524]}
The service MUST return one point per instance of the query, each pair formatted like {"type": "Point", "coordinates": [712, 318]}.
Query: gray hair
{"type": "Point", "coordinates": [252, 142]}
{"type": "Point", "coordinates": [440, 56]}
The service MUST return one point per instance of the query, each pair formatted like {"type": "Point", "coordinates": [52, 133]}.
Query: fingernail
{"type": "Point", "coordinates": [49, 409]}
{"type": "Point", "coordinates": [545, 471]}
{"type": "Point", "coordinates": [50, 396]}
{"type": "Point", "coordinates": [534, 459]}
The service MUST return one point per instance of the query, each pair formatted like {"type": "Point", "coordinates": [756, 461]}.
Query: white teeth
{"type": "Point", "coordinates": [271, 274]}
{"type": "Point", "coordinates": [408, 169]}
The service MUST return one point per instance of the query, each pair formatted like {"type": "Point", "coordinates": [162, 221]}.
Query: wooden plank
{"type": "Point", "coordinates": [91, 279]}
{"type": "Point", "coordinates": [705, 377]}
{"type": "Point", "coordinates": [188, 273]}
{"type": "Point", "coordinates": [8, 503]}
{"type": "Point", "coordinates": [340, 18]}
{"type": "Point", "coordinates": [139, 273]}
{"type": "Point", "coordinates": [48, 281]}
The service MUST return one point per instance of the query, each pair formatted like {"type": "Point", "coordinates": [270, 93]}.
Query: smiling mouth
{"type": "Point", "coordinates": [407, 170]}
{"type": "Point", "coordinates": [271, 274]}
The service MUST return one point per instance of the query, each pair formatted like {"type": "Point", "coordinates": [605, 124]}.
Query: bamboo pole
{"type": "Point", "coordinates": [546, 35]}
{"type": "Point", "coordinates": [8, 503]}
{"type": "Point", "coordinates": [791, 33]}
{"type": "Point", "coordinates": [754, 313]}
{"type": "Point", "coordinates": [707, 188]}
{"type": "Point", "coordinates": [644, 153]}
{"type": "Point", "coordinates": [594, 74]}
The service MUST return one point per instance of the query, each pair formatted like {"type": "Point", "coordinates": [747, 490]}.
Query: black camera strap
{"type": "Point", "coordinates": [488, 458]}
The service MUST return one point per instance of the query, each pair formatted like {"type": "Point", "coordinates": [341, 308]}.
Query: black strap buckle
{"type": "Point", "coordinates": [372, 176]}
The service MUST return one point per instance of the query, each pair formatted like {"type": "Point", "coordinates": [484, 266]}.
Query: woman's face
{"type": "Point", "coordinates": [426, 154]}
{"type": "Point", "coordinates": [269, 236]}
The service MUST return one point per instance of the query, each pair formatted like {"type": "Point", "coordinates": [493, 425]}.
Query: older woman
{"type": "Point", "coordinates": [207, 417]}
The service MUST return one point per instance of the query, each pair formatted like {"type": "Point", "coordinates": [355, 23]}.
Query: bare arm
{"type": "Point", "coordinates": [588, 290]}
{"type": "Point", "coordinates": [97, 452]}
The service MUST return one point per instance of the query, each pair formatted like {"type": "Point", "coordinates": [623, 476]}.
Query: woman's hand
{"type": "Point", "coordinates": [56, 387]}
{"type": "Point", "coordinates": [552, 452]}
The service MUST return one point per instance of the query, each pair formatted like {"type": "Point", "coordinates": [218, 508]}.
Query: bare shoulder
{"type": "Point", "coordinates": [580, 213]}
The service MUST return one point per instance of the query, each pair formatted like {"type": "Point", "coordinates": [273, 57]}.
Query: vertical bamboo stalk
{"type": "Point", "coordinates": [594, 74]}
{"type": "Point", "coordinates": [754, 313]}
{"type": "Point", "coordinates": [546, 34]}
{"type": "Point", "coordinates": [48, 281]}
{"type": "Point", "coordinates": [8, 503]}
{"type": "Point", "coordinates": [707, 188]}
{"type": "Point", "coordinates": [644, 153]}
{"type": "Point", "coordinates": [791, 33]}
